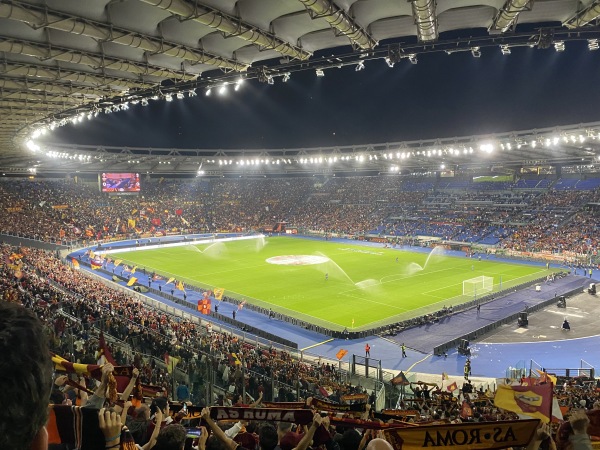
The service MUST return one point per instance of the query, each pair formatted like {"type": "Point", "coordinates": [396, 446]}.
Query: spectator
{"type": "Point", "coordinates": [26, 380]}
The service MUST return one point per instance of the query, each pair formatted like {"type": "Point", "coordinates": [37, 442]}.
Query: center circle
{"type": "Point", "coordinates": [297, 260]}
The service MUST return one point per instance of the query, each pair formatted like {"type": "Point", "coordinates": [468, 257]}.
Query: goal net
{"type": "Point", "coordinates": [478, 286]}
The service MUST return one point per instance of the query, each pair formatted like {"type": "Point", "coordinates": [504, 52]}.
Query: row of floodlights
{"type": "Point", "coordinates": [123, 106]}
{"type": "Point", "coordinates": [484, 147]}
{"type": "Point", "coordinates": [559, 46]}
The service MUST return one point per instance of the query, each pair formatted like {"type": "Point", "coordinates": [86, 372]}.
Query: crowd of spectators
{"type": "Point", "coordinates": [49, 286]}
{"type": "Point", "coordinates": [74, 307]}
{"type": "Point", "coordinates": [515, 219]}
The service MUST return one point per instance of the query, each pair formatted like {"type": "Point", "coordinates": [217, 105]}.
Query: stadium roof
{"type": "Point", "coordinates": [65, 60]}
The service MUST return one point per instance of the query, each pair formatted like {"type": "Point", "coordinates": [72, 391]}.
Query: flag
{"type": "Point", "coordinates": [204, 306]}
{"type": "Point", "coordinates": [534, 401]}
{"type": "Point", "coordinates": [236, 359]}
{"type": "Point", "coordinates": [180, 286]}
{"type": "Point", "coordinates": [92, 254]}
{"type": "Point", "coordinates": [75, 263]}
{"type": "Point", "coordinates": [133, 270]}
{"type": "Point", "coordinates": [95, 264]}
{"type": "Point", "coordinates": [131, 281]}
{"type": "Point", "coordinates": [156, 277]}
{"type": "Point", "coordinates": [546, 377]}
{"type": "Point", "coordinates": [170, 280]}
{"type": "Point", "coordinates": [444, 376]}
{"type": "Point", "coordinates": [117, 262]}
{"type": "Point", "coordinates": [171, 362]}
{"type": "Point", "coordinates": [339, 355]}
{"type": "Point", "coordinates": [466, 411]}
{"type": "Point", "coordinates": [219, 293]}
{"type": "Point", "coordinates": [556, 411]}
{"type": "Point", "coordinates": [325, 391]}
{"type": "Point", "coordinates": [452, 387]}
{"type": "Point", "coordinates": [400, 380]}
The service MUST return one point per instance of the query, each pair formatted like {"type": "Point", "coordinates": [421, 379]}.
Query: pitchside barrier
{"type": "Point", "coordinates": [441, 349]}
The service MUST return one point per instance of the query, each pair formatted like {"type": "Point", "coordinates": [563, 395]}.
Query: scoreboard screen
{"type": "Point", "coordinates": [120, 182]}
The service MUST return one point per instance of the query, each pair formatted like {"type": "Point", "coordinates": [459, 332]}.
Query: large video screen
{"type": "Point", "coordinates": [120, 182]}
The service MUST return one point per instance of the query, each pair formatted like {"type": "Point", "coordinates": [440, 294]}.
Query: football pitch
{"type": "Point", "coordinates": [332, 284]}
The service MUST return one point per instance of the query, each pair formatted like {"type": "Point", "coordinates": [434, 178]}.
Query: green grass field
{"type": "Point", "coordinates": [355, 282]}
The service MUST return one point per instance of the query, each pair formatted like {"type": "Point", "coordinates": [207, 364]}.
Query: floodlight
{"type": "Point", "coordinates": [208, 91]}
{"type": "Point", "coordinates": [559, 46]}
{"type": "Point", "coordinates": [505, 49]}
{"type": "Point", "coordinates": [413, 58]}
{"type": "Point", "coordinates": [320, 72]}
{"type": "Point", "coordinates": [360, 66]}
{"type": "Point", "coordinates": [180, 95]}
{"type": "Point", "coordinates": [593, 44]}
{"type": "Point", "coordinates": [144, 102]}
{"type": "Point", "coordinates": [169, 97]}
{"type": "Point", "coordinates": [476, 52]}
{"type": "Point", "coordinates": [286, 77]}
{"type": "Point", "coordinates": [389, 62]}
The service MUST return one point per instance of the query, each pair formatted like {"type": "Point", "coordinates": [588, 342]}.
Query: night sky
{"type": "Point", "coordinates": [441, 96]}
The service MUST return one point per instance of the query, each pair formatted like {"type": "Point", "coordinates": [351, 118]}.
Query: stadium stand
{"type": "Point", "coordinates": [224, 371]}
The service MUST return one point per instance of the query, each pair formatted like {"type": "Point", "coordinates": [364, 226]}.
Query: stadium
{"type": "Point", "coordinates": [352, 215]}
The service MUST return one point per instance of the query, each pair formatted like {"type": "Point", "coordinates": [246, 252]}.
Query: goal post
{"type": "Point", "coordinates": [478, 286]}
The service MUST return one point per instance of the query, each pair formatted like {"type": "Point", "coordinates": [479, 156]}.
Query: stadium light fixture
{"type": "Point", "coordinates": [270, 79]}
{"type": "Point", "coordinates": [192, 93]}
{"type": "Point", "coordinates": [32, 146]}
{"type": "Point", "coordinates": [389, 62]}
{"type": "Point", "coordinates": [593, 44]}
{"type": "Point", "coordinates": [505, 49]}
{"type": "Point", "coordinates": [476, 52]}
{"type": "Point", "coordinates": [144, 102]}
{"type": "Point", "coordinates": [180, 95]}
{"type": "Point", "coordinates": [559, 46]}
{"type": "Point", "coordinates": [169, 97]}
{"type": "Point", "coordinates": [223, 89]}
{"type": "Point", "coordinates": [413, 58]}
{"type": "Point", "coordinates": [286, 77]}
{"type": "Point", "coordinates": [320, 72]}
{"type": "Point", "coordinates": [360, 66]}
